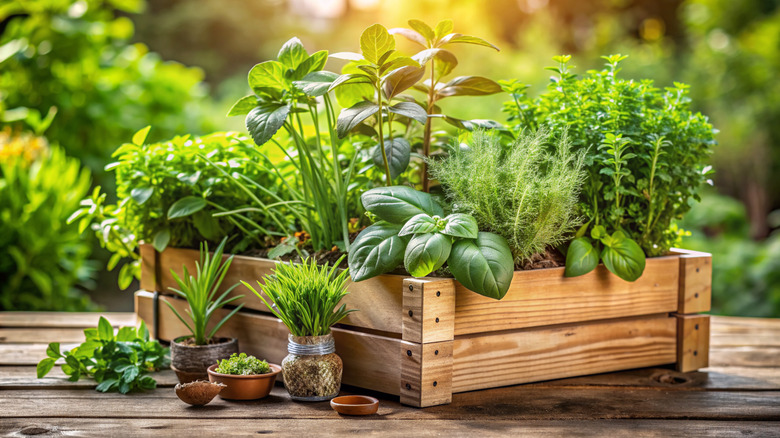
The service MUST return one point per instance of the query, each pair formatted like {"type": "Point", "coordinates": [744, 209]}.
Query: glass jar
{"type": "Point", "coordinates": [312, 370]}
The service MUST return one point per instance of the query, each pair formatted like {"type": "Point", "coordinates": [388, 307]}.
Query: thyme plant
{"type": "Point", "coordinates": [306, 296]}
{"type": "Point", "coordinates": [522, 192]}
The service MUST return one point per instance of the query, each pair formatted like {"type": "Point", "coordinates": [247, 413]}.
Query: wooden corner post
{"type": "Point", "coordinates": [428, 334]}
{"type": "Point", "coordinates": [693, 329]}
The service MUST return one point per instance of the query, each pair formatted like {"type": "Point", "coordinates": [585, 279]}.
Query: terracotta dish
{"type": "Point", "coordinates": [245, 387]}
{"type": "Point", "coordinates": [355, 405]}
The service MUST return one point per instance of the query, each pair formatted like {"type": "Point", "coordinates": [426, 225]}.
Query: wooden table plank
{"type": "Point", "coordinates": [373, 426]}
{"type": "Point", "coordinates": [513, 403]}
{"type": "Point", "coordinates": [24, 377]}
{"type": "Point", "coordinates": [64, 319]}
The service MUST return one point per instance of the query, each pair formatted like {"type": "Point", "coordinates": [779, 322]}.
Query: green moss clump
{"type": "Point", "coordinates": [242, 365]}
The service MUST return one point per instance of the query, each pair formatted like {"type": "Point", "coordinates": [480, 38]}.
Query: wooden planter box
{"type": "Point", "coordinates": [425, 339]}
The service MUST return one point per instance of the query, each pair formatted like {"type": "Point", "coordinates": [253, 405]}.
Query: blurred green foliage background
{"type": "Point", "coordinates": [111, 67]}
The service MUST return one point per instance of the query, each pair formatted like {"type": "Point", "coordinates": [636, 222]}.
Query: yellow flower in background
{"type": "Point", "coordinates": [24, 145]}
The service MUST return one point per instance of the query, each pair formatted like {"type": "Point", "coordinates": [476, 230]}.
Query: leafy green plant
{"type": "Point", "coordinates": [306, 296]}
{"type": "Point", "coordinates": [520, 192]}
{"type": "Point", "coordinates": [646, 154]}
{"type": "Point", "coordinates": [175, 193]}
{"type": "Point", "coordinates": [414, 231]}
{"type": "Point", "coordinates": [242, 365]}
{"type": "Point", "coordinates": [442, 62]}
{"type": "Point", "coordinates": [118, 362]}
{"type": "Point", "coordinates": [200, 291]}
{"type": "Point", "coordinates": [284, 89]}
{"type": "Point", "coordinates": [43, 260]}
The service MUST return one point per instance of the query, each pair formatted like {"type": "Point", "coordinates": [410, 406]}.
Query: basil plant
{"type": "Point", "coordinates": [414, 230]}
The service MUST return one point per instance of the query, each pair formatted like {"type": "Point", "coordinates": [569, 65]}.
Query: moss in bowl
{"type": "Point", "coordinates": [245, 377]}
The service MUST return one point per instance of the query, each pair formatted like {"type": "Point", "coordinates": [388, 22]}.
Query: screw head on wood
{"type": "Point", "coordinates": [435, 383]}
{"type": "Point", "coordinates": [697, 269]}
{"type": "Point", "coordinates": [411, 288]}
{"type": "Point", "coordinates": [408, 352]}
{"type": "Point", "coordinates": [436, 352]}
{"type": "Point", "coordinates": [437, 320]}
{"type": "Point", "coordinates": [696, 295]}
{"type": "Point", "coordinates": [695, 352]}
{"type": "Point", "coordinates": [696, 326]}
{"type": "Point", "coordinates": [438, 293]}
{"type": "Point", "coordinates": [411, 313]}
{"type": "Point", "coordinates": [408, 386]}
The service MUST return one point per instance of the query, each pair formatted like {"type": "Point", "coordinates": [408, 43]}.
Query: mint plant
{"type": "Point", "coordinates": [646, 155]}
{"type": "Point", "coordinates": [414, 230]}
{"type": "Point", "coordinates": [118, 362]}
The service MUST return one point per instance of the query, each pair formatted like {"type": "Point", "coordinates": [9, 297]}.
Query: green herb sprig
{"type": "Point", "coordinates": [118, 362]}
{"type": "Point", "coordinates": [242, 365]}
{"type": "Point", "coordinates": [199, 291]}
{"type": "Point", "coordinates": [306, 296]}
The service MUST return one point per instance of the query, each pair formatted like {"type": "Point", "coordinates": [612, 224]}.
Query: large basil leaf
{"type": "Point", "coordinates": [263, 121]}
{"type": "Point", "coordinates": [484, 265]}
{"type": "Point", "coordinates": [316, 84]}
{"type": "Point", "coordinates": [581, 258]}
{"type": "Point", "coordinates": [461, 225]}
{"type": "Point", "coordinates": [268, 74]}
{"type": "Point", "coordinates": [398, 152]}
{"type": "Point", "coordinates": [426, 253]}
{"type": "Point", "coordinates": [351, 117]}
{"type": "Point", "coordinates": [409, 109]}
{"type": "Point", "coordinates": [243, 106]}
{"type": "Point", "coordinates": [623, 257]}
{"type": "Point", "coordinates": [401, 79]}
{"type": "Point", "coordinates": [375, 42]}
{"type": "Point", "coordinates": [422, 223]}
{"type": "Point", "coordinates": [313, 63]}
{"type": "Point", "coordinates": [398, 204]}
{"type": "Point", "coordinates": [376, 250]}
{"type": "Point", "coordinates": [292, 53]}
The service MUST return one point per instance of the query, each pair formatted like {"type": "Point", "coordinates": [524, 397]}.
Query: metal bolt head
{"type": "Point", "coordinates": [408, 352]}
{"type": "Point", "coordinates": [438, 293]}
{"type": "Point", "coordinates": [436, 352]}
{"type": "Point", "coordinates": [411, 288]}
{"type": "Point", "coordinates": [695, 352]}
{"type": "Point", "coordinates": [696, 295]}
{"type": "Point", "coordinates": [408, 386]}
{"type": "Point", "coordinates": [696, 326]}
{"type": "Point", "coordinates": [435, 383]}
{"type": "Point", "coordinates": [437, 320]}
{"type": "Point", "coordinates": [411, 313]}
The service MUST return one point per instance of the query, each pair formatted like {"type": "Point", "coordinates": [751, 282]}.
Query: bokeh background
{"type": "Point", "coordinates": [111, 67]}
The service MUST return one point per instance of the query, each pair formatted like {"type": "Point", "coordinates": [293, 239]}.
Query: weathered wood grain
{"type": "Point", "coordinates": [63, 319]}
{"type": "Point", "coordinates": [693, 342]}
{"type": "Point", "coordinates": [379, 426]}
{"type": "Point", "coordinates": [426, 374]}
{"type": "Point", "coordinates": [509, 358]}
{"type": "Point", "coordinates": [429, 310]}
{"type": "Point", "coordinates": [545, 297]}
{"type": "Point", "coordinates": [24, 377]}
{"type": "Point", "coordinates": [695, 281]}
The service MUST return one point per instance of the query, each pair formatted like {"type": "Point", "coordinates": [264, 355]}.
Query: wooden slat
{"type": "Point", "coordinates": [26, 354]}
{"type": "Point", "coordinates": [695, 281]}
{"type": "Point", "coordinates": [370, 361]}
{"type": "Point", "coordinates": [371, 426]}
{"type": "Point", "coordinates": [63, 319]}
{"type": "Point", "coordinates": [745, 356]}
{"type": "Point", "coordinates": [12, 377]}
{"type": "Point", "coordinates": [693, 342]}
{"type": "Point", "coordinates": [378, 299]}
{"type": "Point", "coordinates": [508, 358]}
{"type": "Point", "coordinates": [25, 335]}
{"type": "Point", "coordinates": [429, 310]}
{"type": "Point", "coordinates": [545, 297]}
{"type": "Point", "coordinates": [519, 403]}
{"type": "Point", "coordinates": [426, 374]}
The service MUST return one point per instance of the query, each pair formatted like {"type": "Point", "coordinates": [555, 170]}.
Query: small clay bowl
{"type": "Point", "coordinates": [355, 405]}
{"type": "Point", "coordinates": [249, 387]}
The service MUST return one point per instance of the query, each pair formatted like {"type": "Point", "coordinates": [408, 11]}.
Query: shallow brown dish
{"type": "Point", "coordinates": [249, 387]}
{"type": "Point", "coordinates": [355, 405]}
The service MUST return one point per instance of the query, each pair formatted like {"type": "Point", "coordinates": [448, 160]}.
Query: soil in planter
{"type": "Point", "coordinates": [312, 376]}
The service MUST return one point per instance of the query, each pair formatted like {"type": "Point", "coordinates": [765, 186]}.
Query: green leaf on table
{"type": "Point", "coordinates": [398, 151]}
{"type": "Point", "coordinates": [411, 110]}
{"type": "Point", "coordinates": [581, 258]}
{"type": "Point", "coordinates": [186, 206]}
{"type": "Point", "coordinates": [267, 75]}
{"type": "Point", "coordinates": [376, 250]}
{"type": "Point", "coordinates": [105, 330]}
{"type": "Point", "coordinates": [147, 382]}
{"type": "Point", "coordinates": [243, 106]}
{"type": "Point", "coordinates": [351, 117]}
{"type": "Point", "coordinates": [125, 334]}
{"type": "Point", "coordinates": [469, 86]}
{"type": "Point", "coordinates": [159, 241]}
{"type": "Point", "coordinates": [140, 137]}
{"type": "Point", "coordinates": [53, 350]}
{"type": "Point", "coordinates": [484, 265]}
{"type": "Point", "coordinates": [375, 42]}
{"type": "Point", "coordinates": [107, 385]}
{"type": "Point", "coordinates": [398, 204]}
{"type": "Point", "coordinates": [265, 120]}
{"type": "Point", "coordinates": [316, 84]}
{"type": "Point", "coordinates": [461, 225]}
{"type": "Point", "coordinates": [422, 223]}
{"type": "Point", "coordinates": [292, 53]}
{"type": "Point", "coordinates": [44, 367]}
{"type": "Point", "coordinates": [426, 253]}
{"type": "Point", "coordinates": [623, 257]}
{"type": "Point", "coordinates": [141, 194]}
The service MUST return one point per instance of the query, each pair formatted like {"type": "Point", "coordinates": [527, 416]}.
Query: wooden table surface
{"type": "Point", "coordinates": [739, 395]}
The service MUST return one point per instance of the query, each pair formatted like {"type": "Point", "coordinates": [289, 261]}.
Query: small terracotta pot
{"type": "Point", "coordinates": [355, 405]}
{"type": "Point", "coordinates": [249, 387]}
{"type": "Point", "coordinates": [191, 361]}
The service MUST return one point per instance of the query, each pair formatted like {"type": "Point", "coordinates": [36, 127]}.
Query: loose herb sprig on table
{"type": "Point", "coordinates": [118, 362]}
{"type": "Point", "coordinates": [305, 296]}
{"type": "Point", "coordinates": [242, 365]}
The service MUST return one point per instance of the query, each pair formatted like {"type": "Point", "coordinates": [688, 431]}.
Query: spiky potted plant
{"type": "Point", "coordinates": [192, 354]}
{"type": "Point", "coordinates": [306, 298]}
